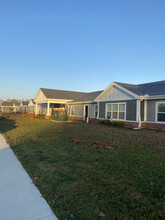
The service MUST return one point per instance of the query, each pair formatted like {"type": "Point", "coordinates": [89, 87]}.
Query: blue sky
{"type": "Point", "coordinates": [79, 45]}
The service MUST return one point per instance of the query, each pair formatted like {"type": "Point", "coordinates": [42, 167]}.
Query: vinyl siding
{"type": "Point", "coordinates": [151, 104]}
{"type": "Point", "coordinates": [142, 111]}
{"type": "Point", "coordinates": [116, 94]}
{"type": "Point", "coordinates": [79, 110]}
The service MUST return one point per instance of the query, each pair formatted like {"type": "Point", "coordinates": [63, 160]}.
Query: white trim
{"type": "Point", "coordinates": [156, 113]}
{"type": "Point", "coordinates": [73, 110]}
{"type": "Point", "coordinates": [118, 86]}
{"type": "Point", "coordinates": [118, 103]}
{"type": "Point", "coordinates": [48, 109]}
{"type": "Point", "coordinates": [153, 97]}
{"type": "Point", "coordinates": [86, 102]}
{"type": "Point", "coordinates": [98, 109]}
{"type": "Point", "coordinates": [145, 110]}
{"type": "Point", "coordinates": [137, 110]}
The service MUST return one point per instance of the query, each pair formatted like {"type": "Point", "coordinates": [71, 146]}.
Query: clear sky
{"type": "Point", "coordinates": [79, 45]}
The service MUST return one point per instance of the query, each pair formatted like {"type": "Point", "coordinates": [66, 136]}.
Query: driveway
{"type": "Point", "coordinates": [19, 198]}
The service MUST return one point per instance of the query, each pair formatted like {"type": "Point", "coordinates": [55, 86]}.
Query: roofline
{"type": "Point", "coordinates": [79, 102]}
{"type": "Point", "coordinates": [120, 87]}
{"type": "Point", "coordinates": [147, 97]}
{"type": "Point", "coordinates": [64, 90]}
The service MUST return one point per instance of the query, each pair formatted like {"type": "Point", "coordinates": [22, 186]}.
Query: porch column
{"type": "Point", "coordinates": [2, 109]}
{"type": "Point", "coordinates": [145, 110]}
{"type": "Point", "coordinates": [36, 110]}
{"type": "Point", "coordinates": [137, 110]}
{"type": "Point", "coordinates": [48, 109]}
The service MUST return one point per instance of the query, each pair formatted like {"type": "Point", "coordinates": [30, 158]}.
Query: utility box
{"type": "Point", "coordinates": [60, 115]}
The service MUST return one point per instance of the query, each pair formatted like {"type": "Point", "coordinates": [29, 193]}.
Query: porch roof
{"type": "Point", "coordinates": [62, 94]}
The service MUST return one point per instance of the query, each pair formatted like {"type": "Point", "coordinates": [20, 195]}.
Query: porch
{"type": "Point", "coordinates": [48, 108]}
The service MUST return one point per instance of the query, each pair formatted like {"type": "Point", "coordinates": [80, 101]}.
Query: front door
{"type": "Point", "coordinates": [86, 112]}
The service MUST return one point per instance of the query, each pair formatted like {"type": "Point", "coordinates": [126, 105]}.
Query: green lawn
{"type": "Point", "coordinates": [92, 171]}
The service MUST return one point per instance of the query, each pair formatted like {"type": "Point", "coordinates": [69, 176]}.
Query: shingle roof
{"type": "Point", "coordinates": [33, 101]}
{"type": "Point", "coordinates": [151, 89]}
{"type": "Point", "coordinates": [10, 104]}
{"type": "Point", "coordinates": [25, 102]}
{"type": "Point", "coordinates": [17, 103]}
{"type": "Point", "coordinates": [91, 96]}
{"type": "Point", "coordinates": [61, 94]}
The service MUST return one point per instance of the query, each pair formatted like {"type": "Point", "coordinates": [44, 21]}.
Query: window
{"type": "Point", "coordinates": [96, 111]}
{"type": "Point", "coordinates": [122, 111]}
{"type": "Point", "coordinates": [72, 109]}
{"type": "Point", "coordinates": [116, 111]}
{"type": "Point", "coordinates": [68, 109]}
{"type": "Point", "coordinates": [109, 111]}
{"type": "Point", "coordinates": [161, 112]}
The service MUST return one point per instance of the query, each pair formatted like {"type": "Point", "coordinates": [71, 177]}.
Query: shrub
{"type": "Point", "coordinates": [40, 116]}
{"type": "Point", "coordinates": [101, 121]}
{"type": "Point", "coordinates": [120, 123]}
{"type": "Point", "coordinates": [51, 117]}
{"type": "Point", "coordinates": [114, 123]}
{"type": "Point", "coordinates": [105, 122]}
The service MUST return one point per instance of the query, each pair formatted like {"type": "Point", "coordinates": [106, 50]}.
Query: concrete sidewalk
{"type": "Point", "coordinates": [19, 198]}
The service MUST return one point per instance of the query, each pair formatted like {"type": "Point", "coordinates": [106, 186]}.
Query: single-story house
{"type": "Point", "coordinates": [9, 106]}
{"type": "Point", "coordinates": [31, 106]}
{"type": "Point", "coordinates": [49, 99]}
{"type": "Point", "coordinates": [23, 106]}
{"type": "Point", "coordinates": [138, 106]}
{"type": "Point", "coordinates": [16, 106]}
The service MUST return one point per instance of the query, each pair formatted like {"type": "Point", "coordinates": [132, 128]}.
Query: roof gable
{"type": "Point", "coordinates": [31, 102]}
{"type": "Point", "coordinates": [40, 97]}
{"type": "Point", "coordinates": [115, 92]}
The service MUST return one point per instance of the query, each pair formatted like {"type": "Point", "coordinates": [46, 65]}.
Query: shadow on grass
{"type": "Point", "coordinates": [7, 125]}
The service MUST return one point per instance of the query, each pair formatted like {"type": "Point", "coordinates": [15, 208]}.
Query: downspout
{"type": "Point", "coordinates": [140, 122]}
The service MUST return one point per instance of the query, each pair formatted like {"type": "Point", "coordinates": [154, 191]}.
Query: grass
{"type": "Point", "coordinates": [90, 172]}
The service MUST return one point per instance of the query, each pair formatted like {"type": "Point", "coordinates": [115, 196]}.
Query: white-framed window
{"type": "Point", "coordinates": [116, 111]}
{"type": "Point", "coordinates": [72, 110]}
{"type": "Point", "coordinates": [96, 110]}
{"type": "Point", "coordinates": [160, 111]}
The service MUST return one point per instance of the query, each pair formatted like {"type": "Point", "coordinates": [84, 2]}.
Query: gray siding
{"type": "Point", "coordinates": [142, 110]}
{"type": "Point", "coordinates": [130, 109]}
{"type": "Point", "coordinates": [79, 109]}
{"type": "Point", "coordinates": [151, 108]}
{"type": "Point", "coordinates": [91, 110]}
